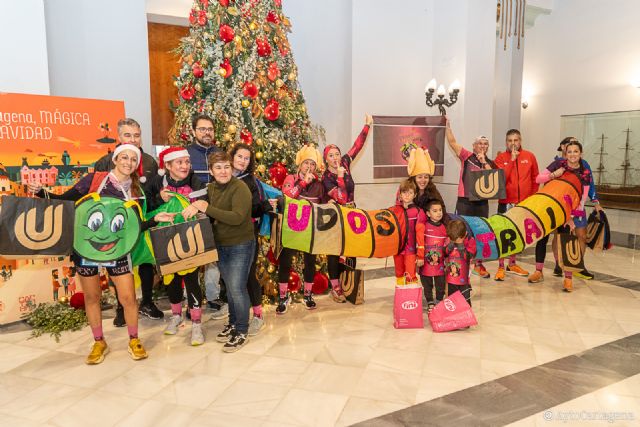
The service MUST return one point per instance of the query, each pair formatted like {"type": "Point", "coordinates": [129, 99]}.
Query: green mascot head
{"type": "Point", "coordinates": [106, 228]}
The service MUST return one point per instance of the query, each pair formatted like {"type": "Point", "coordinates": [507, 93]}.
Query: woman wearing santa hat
{"type": "Point", "coordinates": [121, 182]}
{"type": "Point", "coordinates": [304, 184]}
{"type": "Point", "coordinates": [339, 187]}
{"type": "Point", "coordinates": [177, 176]}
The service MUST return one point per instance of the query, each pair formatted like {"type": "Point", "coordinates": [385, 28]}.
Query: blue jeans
{"type": "Point", "coordinates": [211, 281]}
{"type": "Point", "coordinates": [234, 263]}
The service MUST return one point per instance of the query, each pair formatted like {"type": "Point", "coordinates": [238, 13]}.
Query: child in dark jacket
{"type": "Point", "coordinates": [459, 251]}
{"type": "Point", "coordinates": [405, 261]}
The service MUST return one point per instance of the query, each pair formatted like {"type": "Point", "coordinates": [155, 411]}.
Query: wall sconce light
{"type": "Point", "coordinates": [441, 101]}
{"type": "Point", "coordinates": [525, 103]}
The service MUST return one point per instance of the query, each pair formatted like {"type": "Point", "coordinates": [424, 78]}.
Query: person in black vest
{"type": "Point", "coordinates": [129, 132]}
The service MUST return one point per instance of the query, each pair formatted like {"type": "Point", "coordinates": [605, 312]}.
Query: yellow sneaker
{"type": "Point", "coordinates": [98, 351]}
{"type": "Point", "coordinates": [499, 277]}
{"type": "Point", "coordinates": [536, 277]}
{"type": "Point", "coordinates": [517, 270]}
{"type": "Point", "coordinates": [136, 350]}
{"type": "Point", "coordinates": [567, 285]}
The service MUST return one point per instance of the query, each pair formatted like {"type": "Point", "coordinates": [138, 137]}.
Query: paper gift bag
{"type": "Point", "coordinates": [486, 184]}
{"type": "Point", "coordinates": [570, 256]}
{"type": "Point", "coordinates": [598, 231]}
{"type": "Point", "coordinates": [36, 228]}
{"type": "Point", "coordinates": [183, 246]}
{"type": "Point", "coordinates": [352, 282]}
{"type": "Point", "coordinates": [453, 312]}
{"type": "Point", "coordinates": [407, 307]}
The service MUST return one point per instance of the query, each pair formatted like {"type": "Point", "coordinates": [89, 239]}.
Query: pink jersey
{"type": "Point", "coordinates": [458, 259]}
{"type": "Point", "coordinates": [435, 235]}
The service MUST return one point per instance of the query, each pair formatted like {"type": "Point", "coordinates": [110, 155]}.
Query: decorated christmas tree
{"type": "Point", "coordinates": [237, 67]}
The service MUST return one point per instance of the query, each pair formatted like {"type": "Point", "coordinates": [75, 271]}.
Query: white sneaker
{"type": "Point", "coordinates": [197, 336]}
{"type": "Point", "coordinates": [174, 323]}
{"type": "Point", "coordinates": [255, 326]}
{"type": "Point", "coordinates": [223, 313]}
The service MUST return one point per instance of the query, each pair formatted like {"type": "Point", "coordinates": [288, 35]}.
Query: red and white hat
{"type": "Point", "coordinates": [170, 154]}
{"type": "Point", "coordinates": [123, 147]}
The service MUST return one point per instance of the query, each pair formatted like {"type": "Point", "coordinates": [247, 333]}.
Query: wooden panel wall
{"type": "Point", "coordinates": [163, 65]}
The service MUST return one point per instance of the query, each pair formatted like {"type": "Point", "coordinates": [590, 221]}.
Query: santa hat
{"type": "Point", "coordinates": [420, 163]}
{"type": "Point", "coordinates": [309, 152]}
{"type": "Point", "coordinates": [122, 147]}
{"type": "Point", "coordinates": [170, 154]}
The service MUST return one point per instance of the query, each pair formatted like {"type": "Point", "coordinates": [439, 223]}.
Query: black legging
{"type": "Point", "coordinates": [541, 249]}
{"type": "Point", "coordinates": [285, 265]}
{"type": "Point", "coordinates": [333, 266]}
{"type": "Point", "coordinates": [254, 288]}
{"type": "Point", "coordinates": [194, 292]}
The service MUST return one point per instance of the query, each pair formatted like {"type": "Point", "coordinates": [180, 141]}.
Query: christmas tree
{"type": "Point", "coordinates": [237, 67]}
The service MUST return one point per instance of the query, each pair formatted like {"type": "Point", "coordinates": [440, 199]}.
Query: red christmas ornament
{"type": "Point", "coordinates": [272, 110]}
{"type": "Point", "coordinates": [187, 92]}
{"type": "Point", "coordinates": [226, 33]}
{"type": "Point", "coordinates": [184, 137]}
{"type": "Point", "coordinates": [250, 89]}
{"type": "Point", "coordinates": [273, 72]}
{"type": "Point", "coordinates": [264, 48]}
{"type": "Point", "coordinates": [205, 3]}
{"type": "Point", "coordinates": [320, 283]}
{"type": "Point", "coordinates": [77, 301]}
{"type": "Point", "coordinates": [283, 50]}
{"type": "Point", "coordinates": [294, 281]}
{"type": "Point", "coordinates": [277, 174]}
{"type": "Point", "coordinates": [226, 65]}
{"type": "Point", "coordinates": [278, 3]}
{"type": "Point", "coordinates": [202, 18]}
{"type": "Point", "coordinates": [197, 70]}
{"type": "Point", "coordinates": [273, 17]}
{"type": "Point", "coordinates": [246, 137]}
{"type": "Point", "coordinates": [272, 258]}
{"type": "Point", "coordinates": [223, 3]}
{"type": "Point", "coordinates": [193, 17]}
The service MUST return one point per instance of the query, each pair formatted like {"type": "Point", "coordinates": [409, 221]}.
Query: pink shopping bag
{"type": "Point", "coordinates": [407, 307]}
{"type": "Point", "coordinates": [452, 313]}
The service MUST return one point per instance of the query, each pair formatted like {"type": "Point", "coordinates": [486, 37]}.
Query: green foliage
{"type": "Point", "coordinates": [55, 318]}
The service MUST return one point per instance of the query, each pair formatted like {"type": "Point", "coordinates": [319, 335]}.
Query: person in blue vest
{"type": "Point", "coordinates": [203, 145]}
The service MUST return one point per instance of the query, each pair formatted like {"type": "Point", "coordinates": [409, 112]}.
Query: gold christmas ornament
{"type": "Point", "coordinates": [245, 103]}
{"type": "Point", "coordinates": [279, 83]}
{"type": "Point", "coordinates": [63, 299]}
{"type": "Point", "coordinates": [259, 155]}
{"type": "Point", "coordinates": [198, 87]}
{"type": "Point", "coordinates": [237, 39]}
{"type": "Point", "coordinates": [271, 268]}
{"type": "Point", "coordinates": [228, 54]}
{"type": "Point", "coordinates": [199, 44]}
{"type": "Point", "coordinates": [253, 26]}
{"type": "Point", "coordinates": [232, 129]}
{"type": "Point", "coordinates": [292, 76]}
{"type": "Point", "coordinates": [226, 137]}
{"type": "Point", "coordinates": [259, 142]}
{"type": "Point", "coordinates": [222, 72]}
{"type": "Point", "coordinates": [262, 168]}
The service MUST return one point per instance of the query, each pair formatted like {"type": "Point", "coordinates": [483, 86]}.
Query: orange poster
{"type": "Point", "coordinates": [56, 141]}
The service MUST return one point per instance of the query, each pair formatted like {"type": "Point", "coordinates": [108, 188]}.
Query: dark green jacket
{"type": "Point", "coordinates": [230, 207]}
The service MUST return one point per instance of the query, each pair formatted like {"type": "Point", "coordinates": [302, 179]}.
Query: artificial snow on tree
{"type": "Point", "coordinates": [237, 67]}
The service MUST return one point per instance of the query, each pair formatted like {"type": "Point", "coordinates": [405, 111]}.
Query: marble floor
{"type": "Point", "coordinates": [343, 364]}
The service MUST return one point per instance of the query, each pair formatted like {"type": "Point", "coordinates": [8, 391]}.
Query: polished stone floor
{"type": "Point", "coordinates": [538, 357]}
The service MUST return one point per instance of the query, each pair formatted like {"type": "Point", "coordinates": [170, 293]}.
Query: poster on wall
{"type": "Point", "coordinates": [55, 141]}
{"type": "Point", "coordinates": [390, 133]}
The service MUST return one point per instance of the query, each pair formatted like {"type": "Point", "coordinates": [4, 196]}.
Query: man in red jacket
{"type": "Point", "coordinates": [520, 172]}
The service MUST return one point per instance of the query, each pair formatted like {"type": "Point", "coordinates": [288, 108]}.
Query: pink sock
{"type": "Point", "coordinates": [539, 266]}
{"type": "Point", "coordinates": [307, 288]}
{"type": "Point", "coordinates": [335, 284]}
{"type": "Point", "coordinates": [133, 331]}
{"type": "Point", "coordinates": [501, 262]}
{"type": "Point", "coordinates": [568, 275]}
{"type": "Point", "coordinates": [196, 315]}
{"type": "Point", "coordinates": [512, 260]}
{"type": "Point", "coordinates": [97, 333]}
{"type": "Point", "coordinates": [257, 311]}
{"type": "Point", "coordinates": [478, 263]}
{"type": "Point", "coordinates": [284, 287]}
{"type": "Point", "coordinates": [176, 309]}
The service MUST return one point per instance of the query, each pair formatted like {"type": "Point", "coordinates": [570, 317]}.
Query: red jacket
{"type": "Point", "coordinates": [520, 175]}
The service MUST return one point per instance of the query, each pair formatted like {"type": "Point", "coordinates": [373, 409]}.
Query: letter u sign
{"type": "Point", "coordinates": [487, 186]}
{"type": "Point", "coordinates": [574, 254]}
{"type": "Point", "coordinates": [29, 237]}
{"type": "Point", "coordinates": [195, 245]}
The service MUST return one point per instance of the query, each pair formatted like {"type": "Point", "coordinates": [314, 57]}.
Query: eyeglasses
{"type": "Point", "coordinates": [203, 130]}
